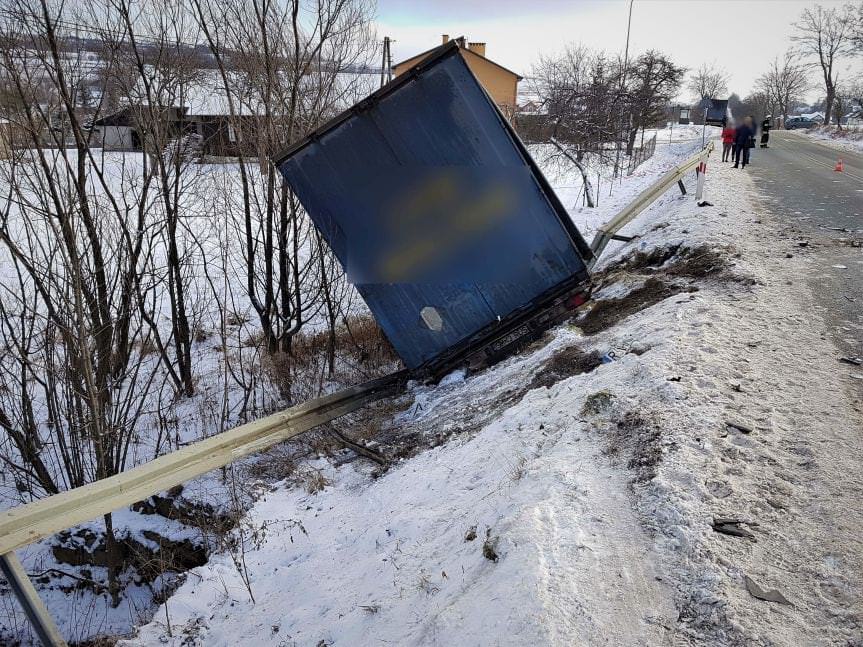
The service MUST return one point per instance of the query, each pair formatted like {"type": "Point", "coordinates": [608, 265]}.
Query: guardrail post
{"type": "Point", "coordinates": [701, 171]}
{"type": "Point", "coordinates": [30, 601]}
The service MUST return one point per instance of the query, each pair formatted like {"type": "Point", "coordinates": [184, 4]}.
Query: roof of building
{"type": "Point", "coordinates": [461, 48]}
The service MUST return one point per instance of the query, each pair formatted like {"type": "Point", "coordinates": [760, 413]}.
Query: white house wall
{"type": "Point", "coordinates": [117, 138]}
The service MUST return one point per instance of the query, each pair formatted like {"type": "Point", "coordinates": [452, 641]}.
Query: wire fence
{"type": "Point", "coordinates": [640, 155]}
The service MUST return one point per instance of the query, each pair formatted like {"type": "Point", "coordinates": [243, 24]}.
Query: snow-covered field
{"type": "Point", "coordinates": [850, 138]}
{"type": "Point", "coordinates": [571, 507]}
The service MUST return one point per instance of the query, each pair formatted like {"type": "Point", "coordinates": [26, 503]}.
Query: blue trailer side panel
{"type": "Point", "coordinates": [430, 203]}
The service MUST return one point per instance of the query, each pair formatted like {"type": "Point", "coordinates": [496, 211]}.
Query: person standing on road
{"type": "Point", "coordinates": [728, 142]}
{"type": "Point", "coordinates": [754, 125]}
{"type": "Point", "coordinates": [765, 131]}
{"type": "Point", "coordinates": [743, 137]}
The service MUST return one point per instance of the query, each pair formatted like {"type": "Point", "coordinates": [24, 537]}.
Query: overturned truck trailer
{"type": "Point", "coordinates": [440, 217]}
{"type": "Point", "coordinates": [717, 112]}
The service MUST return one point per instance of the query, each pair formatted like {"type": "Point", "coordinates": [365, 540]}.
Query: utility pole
{"type": "Point", "coordinates": [628, 27]}
{"type": "Point", "coordinates": [623, 83]}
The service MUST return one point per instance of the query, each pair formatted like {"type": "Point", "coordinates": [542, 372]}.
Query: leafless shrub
{"type": "Point", "coordinates": [291, 77]}
{"type": "Point", "coordinates": [315, 482]}
{"type": "Point", "coordinates": [592, 105]}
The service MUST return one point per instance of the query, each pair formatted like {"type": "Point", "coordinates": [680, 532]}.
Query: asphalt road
{"type": "Point", "coordinates": [823, 209]}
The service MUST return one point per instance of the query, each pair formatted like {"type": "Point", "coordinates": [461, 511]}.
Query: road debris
{"type": "Point", "coordinates": [854, 361]}
{"type": "Point", "coordinates": [770, 595]}
{"type": "Point", "coordinates": [739, 426]}
{"type": "Point", "coordinates": [733, 527]}
{"type": "Point", "coordinates": [489, 547]}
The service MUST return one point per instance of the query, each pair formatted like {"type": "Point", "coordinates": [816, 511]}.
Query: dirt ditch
{"type": "Point", "coordinates": [565, 363]}
{"type": "Point", "coordinates": [667, 271]}
{"type": "Point", "coordinates": [144, 557]}
{"type": "Point", "coordinates": [86, 548]}
{"type": "Point", "coordinates": [607, 312]}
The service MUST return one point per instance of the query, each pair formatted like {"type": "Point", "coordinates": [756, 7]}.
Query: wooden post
{"type": "Point", "coordinates": [30, 601]}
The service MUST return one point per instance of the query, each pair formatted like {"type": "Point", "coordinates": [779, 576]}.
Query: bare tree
{"type": "Point", "coordinates": [157, 94]}
{"type": "Point", "coordinates": [825, 35]}
{"type": "Point", "coordinates": [587, 102]}
{"type": "Point", "coordinates": [784, 83]}
{"type": "Point", "coordinates": [708, 82]}
{"type": "Point", "coordinates": [653, 82]}
{"type": "Point", "coordinates": [285, 63]}
{"type": "Point", "coordinates": [583, 103]}
{"type": "Point", "coordinates": [72, 315]}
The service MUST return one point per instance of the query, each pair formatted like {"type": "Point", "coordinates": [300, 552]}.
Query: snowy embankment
{"type": "Point", "coordinates": [646, 475]}
{"type": "Point", "coordinates": [673, 146]}
{"type": "Point", "coordinates": [849, 138]}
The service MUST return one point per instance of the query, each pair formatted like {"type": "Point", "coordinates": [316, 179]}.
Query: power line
{"type": "Point", "coordinates": [96, 33]}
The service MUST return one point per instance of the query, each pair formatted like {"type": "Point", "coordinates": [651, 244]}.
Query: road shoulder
{"type": "Point", "coordinates": [760, 357]}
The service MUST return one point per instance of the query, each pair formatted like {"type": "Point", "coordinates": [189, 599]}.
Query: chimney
{"type": "Point", "coordinates": [477, 48]}
{"type": "Point", "coordinates": [444, 39]}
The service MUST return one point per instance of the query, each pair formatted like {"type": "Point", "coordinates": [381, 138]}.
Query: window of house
{"type": "Point", "coordinates": [232, 134]}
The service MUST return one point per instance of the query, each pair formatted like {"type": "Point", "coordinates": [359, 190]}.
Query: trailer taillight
{"type": "Point", "coordinates": [577, 300]}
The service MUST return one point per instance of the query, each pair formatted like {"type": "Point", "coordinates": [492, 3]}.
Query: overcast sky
{"type": "Point", "coordinates": [741, 36]}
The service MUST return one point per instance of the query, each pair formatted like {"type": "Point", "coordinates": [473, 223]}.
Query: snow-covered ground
{"type": "Point", "coordinates": [567, 494]}
{"type": "Point", "coordinates": [850, 138]}
{"type": "Point", "coordinates": [562, 505]}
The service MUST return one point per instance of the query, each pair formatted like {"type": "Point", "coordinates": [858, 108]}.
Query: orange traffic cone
{"type": "Point", "coordinates": [840, 166]}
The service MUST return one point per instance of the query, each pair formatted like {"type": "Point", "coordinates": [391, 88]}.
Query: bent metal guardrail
{"type": "Point", "coordinates": [646, 198]}
{"type": "Point", "coordinates": [29, 523]}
